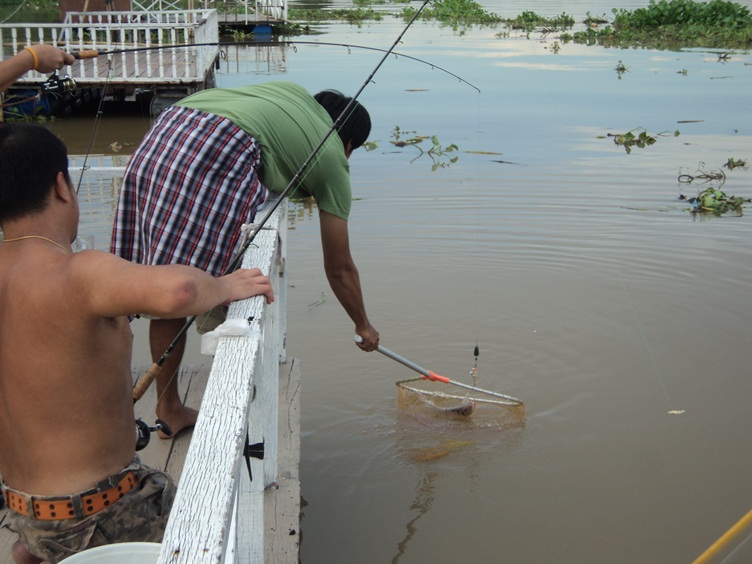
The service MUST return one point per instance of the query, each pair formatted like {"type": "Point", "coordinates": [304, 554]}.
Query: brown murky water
{"type": "Point", "coordinates": [621, 320]}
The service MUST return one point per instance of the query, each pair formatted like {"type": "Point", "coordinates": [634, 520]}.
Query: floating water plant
{"type": "Point", "coordinates": [733, 163]}
{"type": "Point", "coordinates": [673, 24]}
{"type": "Point", "coordinates": [715, 201]}
{"type": "Point", "coordinates": [641, 140]}
{"type": "Point", "coordinates": [529, 21]}
{"type": "Point", "coordinates": [455, 12]}
{"type": "Point", "coordinates": [440, 155]}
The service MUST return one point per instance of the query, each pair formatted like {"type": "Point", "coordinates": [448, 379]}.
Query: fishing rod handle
{"type": "Point", "coordinates": [143, 384]}
{"type": "Point", "coordinates": [86, 54]}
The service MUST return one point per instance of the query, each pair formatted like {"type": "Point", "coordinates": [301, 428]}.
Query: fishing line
{"type": "Point", "coordinates": [152, 373]}
{"type": "Point", "coordinates": [93, 53]}
{"type": "Point", "coordinates": [644, 338]}
{"type": "Point", "coordinates": [476, 350]}
{"type": "Point", "coordinates": [97, 123]}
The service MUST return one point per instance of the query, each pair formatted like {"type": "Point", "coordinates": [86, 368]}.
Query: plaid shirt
{"type": "Point", "coordinates": [187, 190]}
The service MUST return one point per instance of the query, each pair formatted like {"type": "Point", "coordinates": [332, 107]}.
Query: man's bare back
{"type": "Point", "coordinates": [63, 402]}
{"type": "Point", "coordinates": [66, 399]}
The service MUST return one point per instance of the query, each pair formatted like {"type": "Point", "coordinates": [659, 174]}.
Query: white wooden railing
{"type": "Point", "coordinates": [197, 31]}
{"type": "Point", "coordinates": [218, 515]}
{"type": "Point", "coordinates": [251, 10]}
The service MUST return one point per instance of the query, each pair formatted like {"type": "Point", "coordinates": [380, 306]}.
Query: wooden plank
{"type": "Point", "coordinates": [275, 511]}
{"type": "Point", "coordinates": [169, 455]}
{"type": "Point", "coordinates": [197, 528]}
{"type": "Point", "coordinates": [282, 503]}
{"type": "Point", "coordinates": [199, 525]}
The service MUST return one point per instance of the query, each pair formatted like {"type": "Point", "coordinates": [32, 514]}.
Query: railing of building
{"type": "Point", "coordinates": [129, 33]}
{"type": "Point", "coordinates": [218, 515]}
{"type": "Point", "coordinates": [247, 11]}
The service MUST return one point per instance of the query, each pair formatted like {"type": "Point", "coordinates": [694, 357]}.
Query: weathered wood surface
{"type": "Point", "coordinates": [240, 405]}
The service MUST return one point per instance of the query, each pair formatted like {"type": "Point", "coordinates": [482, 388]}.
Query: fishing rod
{"type": "Point", "coordinates": [94, 53]}
{"type": "Point", "coordinates": [146, 380]}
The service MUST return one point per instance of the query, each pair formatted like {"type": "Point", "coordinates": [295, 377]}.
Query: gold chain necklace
{"type": "Point", "coordinates": [37, 237]}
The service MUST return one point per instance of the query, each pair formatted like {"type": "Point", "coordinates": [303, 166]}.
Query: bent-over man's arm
{"type": "Point", "coordinates": [343, 276]}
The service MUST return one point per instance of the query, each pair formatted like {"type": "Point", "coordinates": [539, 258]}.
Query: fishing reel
{"type": "Point", "coordinates": [143, 432]}
{"type": "Point", "coordinates": [56, 85]}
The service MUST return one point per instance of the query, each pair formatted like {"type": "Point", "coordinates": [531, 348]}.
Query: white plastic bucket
{"type": "Point", "coordinates": [120, 553]}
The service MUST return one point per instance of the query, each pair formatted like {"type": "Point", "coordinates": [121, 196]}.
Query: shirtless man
{"type": "Point", "coordinates": [67, 427]}
{"type": "Point", "coordinates": [39, 57]}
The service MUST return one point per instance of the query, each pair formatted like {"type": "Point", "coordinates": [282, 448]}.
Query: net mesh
{"type": "Point", "coordinates": [424, 397]}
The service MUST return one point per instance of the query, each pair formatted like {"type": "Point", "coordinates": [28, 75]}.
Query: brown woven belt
{"type": "Point", "coordinates": [65, 507]}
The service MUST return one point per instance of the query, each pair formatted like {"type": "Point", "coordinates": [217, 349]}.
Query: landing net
{"type": "Point", "coordinates": [424, 397]}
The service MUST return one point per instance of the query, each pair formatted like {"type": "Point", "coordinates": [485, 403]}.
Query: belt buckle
{"type": "Point", "coordinates": [104, 485]}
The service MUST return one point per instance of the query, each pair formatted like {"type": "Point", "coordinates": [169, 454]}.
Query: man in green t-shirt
{"type": "Point", "coordinates": [203, 169]}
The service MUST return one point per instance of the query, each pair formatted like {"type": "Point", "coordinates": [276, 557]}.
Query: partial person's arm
{"type": "Point", "coordinates": [112, 287]}
{"type": "Point", "coordinates": [39, 57]}
{"type": "Point", "coordinates": [343, 276]}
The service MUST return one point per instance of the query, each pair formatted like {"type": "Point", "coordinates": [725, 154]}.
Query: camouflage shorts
{"type": "Point", "coordinates": [139, 516]}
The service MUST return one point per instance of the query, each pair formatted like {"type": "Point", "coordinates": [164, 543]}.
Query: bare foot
{"type": "Point", "coordinates": [23, 556]}
{"type": "Point", "coordinates": [183, 418]}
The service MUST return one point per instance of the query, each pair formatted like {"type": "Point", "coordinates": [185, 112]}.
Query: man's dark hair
{"type": "Point", "coordinates": [30, 158]}
{"type": "Point", "coordinates": [356, 126]}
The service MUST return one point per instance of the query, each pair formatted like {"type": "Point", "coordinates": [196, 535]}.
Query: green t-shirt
{"type": "Point", "coordinates": [288, 123]}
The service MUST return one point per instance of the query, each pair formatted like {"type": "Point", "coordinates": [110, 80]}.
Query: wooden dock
{"type": "Point", "coordinates": [169, 53]}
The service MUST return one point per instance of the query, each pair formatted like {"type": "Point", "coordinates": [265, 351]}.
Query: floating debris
{"type": "Point", "coordinates": [318, 302]}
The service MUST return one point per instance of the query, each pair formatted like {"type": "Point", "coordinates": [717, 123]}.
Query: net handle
{"type": "Point", "coordinates": [430, 375]}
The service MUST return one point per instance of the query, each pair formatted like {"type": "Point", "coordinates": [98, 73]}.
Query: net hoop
{"type": "Point", "coordinates": [425, 388]}
{"type": "Point", "coordinates": [456, 392]}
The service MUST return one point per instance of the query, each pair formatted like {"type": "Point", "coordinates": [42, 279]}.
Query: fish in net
{"type": "Point", "coordinates": [426, 397]}
{"type": "Point", "coordinates": [434, 394]}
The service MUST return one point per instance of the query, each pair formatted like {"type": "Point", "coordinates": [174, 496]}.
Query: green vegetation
{"type": "Point", "coordinates": [670, 24]}
{"type": "Point", "coordinates": [356, 15]}
{"type": "Point", "coordinates": [530, 21]}
{"type": "Point", "coordinates": [455, 12]}
{"type": "Point", "coordinates": [713, 200]}
{"type": "Point", "coordinates": [441, 157]}
{"type": "Point", "coordinates": [733, 163]}
{"type": "Point", "coordinates": [641, 140]}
